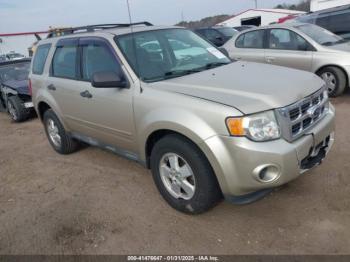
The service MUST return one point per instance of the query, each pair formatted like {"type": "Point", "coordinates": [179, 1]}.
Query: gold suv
{"type": "Point", "coordinates": [206, 126]}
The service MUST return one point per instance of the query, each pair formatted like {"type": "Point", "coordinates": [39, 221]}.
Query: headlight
{"type": "Point", "coordinates": [257, 127]}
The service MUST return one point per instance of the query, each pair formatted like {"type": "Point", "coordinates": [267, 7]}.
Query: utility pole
{"type": "Point", "coordinates": [256, 4]}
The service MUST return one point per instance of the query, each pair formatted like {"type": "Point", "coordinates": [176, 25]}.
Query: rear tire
{"type": "Point", "coordinates": [57, 135]}
{"type": "Point", "coordinates": [16, 109]}
{"type": "Point", "coordinates": [199, 191]}
{"type": "Point", "coordinates": [335, 80]}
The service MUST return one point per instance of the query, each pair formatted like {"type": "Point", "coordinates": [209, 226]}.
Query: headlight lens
{"type": "Point", "coordinates": [257, 127]}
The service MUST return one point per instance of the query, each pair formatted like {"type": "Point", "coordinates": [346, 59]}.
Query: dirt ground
{"type": "Point", "coordinates": [94, 202]}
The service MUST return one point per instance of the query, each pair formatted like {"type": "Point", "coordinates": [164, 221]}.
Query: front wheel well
{"type": "Point", "coordinates": [336, 66]}
{"type": "Point", "coordinates": [156, 136]}
{"type": "Point", "coordinates": [42, 108]}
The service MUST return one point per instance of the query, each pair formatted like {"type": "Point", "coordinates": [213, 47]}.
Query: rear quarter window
{"type": "Point", "coordinates": [40, 58]}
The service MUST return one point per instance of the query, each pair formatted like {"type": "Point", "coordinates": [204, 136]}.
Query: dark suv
{"type": "Point", "coordinates": [336, 20]}
{"type": "Point", "coordinates": [218, 35]}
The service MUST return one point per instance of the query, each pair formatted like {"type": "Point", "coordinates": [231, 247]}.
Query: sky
{"type": "Point", "coordinates": [38, 15]}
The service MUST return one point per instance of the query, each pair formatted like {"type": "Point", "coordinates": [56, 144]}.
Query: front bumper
{"type": "Point", "coordinates": [236, 160]}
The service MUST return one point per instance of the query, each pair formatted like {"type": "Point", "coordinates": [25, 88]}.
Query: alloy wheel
{"type": "Point", "coordinates": [177, 176]}
{"type": "Point", "coordinates": [331, 81]}
{"type": "Point", "coordinates": [53, 132]}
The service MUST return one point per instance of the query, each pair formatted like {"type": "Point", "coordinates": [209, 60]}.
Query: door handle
{"type": "Point", "coordinates": [238, 58]}
{"type": "Point", "coordinates": [86, 94]}
{"type": "Point", "coordinates": [51, 87]}
{"type": "Point", "coordinates": [270, 59]}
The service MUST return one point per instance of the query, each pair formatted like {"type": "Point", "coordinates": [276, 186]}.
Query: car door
{"type": "Point", "coordinates": [107, 112]}
{"type": "Point", "coordinates": [63, 84]}
{"type": "Point", "coordinates": [289, 49]}
{"type": "Point", "coordinates": [249, 47]}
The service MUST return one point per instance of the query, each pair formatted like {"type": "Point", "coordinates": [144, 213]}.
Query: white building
{"type": "Point", "coordinates": [317, 5]}
{"type": "Point", "coordinates": [259, 17]}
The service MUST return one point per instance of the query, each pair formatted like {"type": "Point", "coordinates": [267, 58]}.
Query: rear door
{"type": "Point", "coordinates": [249, 47]}
{"type": "Point", "coordinates": [289, 49]}
{"type": "Point", "coordinates": [63, 82]}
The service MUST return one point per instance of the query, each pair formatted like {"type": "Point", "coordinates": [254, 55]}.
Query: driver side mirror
{"type": "Point", "coordinates": [108, 79]}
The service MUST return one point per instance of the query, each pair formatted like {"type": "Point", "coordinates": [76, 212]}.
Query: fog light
{"type": "Point", "coordinates": [266, 173]}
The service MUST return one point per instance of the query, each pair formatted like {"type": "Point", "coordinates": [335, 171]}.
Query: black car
{"type": "Point", "coordinates": [218, 35]}
{"type": "Point", "coordinates": [336, 20]}
{"type": "Point", "coordinates": [243, 27]}
{"type": "Point", "coordinates": [15, 97]}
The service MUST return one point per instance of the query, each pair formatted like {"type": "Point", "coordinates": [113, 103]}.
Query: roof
{"type": "Point", "coordinates": [282, 26]}
{"type": "Point", "coordinates": [282, 12]}
{"type": "Point", "coordinates": [278, 11]}
{"type": "Point", "coordinates": [112, 31]}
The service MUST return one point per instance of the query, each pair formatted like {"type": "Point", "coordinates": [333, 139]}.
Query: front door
{"type": "Point", "coordinates": [107, 112]}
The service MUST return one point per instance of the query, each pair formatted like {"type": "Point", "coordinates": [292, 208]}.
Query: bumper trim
{"type": "Point", "coordinates": [249, 198]}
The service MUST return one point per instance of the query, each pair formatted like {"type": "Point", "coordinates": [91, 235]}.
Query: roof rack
{"type": "Point", "coordinates": [92, 28]}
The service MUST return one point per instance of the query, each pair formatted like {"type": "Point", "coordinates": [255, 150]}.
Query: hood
{"type": "Point", "coordinates": [21, 87]}
{"type": "Point", "coordinates": [248, 87]}
{"type": "Point", "coordinates": [341, 47]}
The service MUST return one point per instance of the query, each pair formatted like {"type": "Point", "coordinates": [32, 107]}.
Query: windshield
{"type": "Point", "coordinates": [227, 31]}
{"type": "Point", "coordinates": [162, 54]}
{"type": "Point", "coordinates": [321, 35]}
{"type": "Point", "coordinates": [18, 72]}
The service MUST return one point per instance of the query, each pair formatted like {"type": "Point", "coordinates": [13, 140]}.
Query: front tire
{"type": "Point", "coordinates": [335, 80]}
{"type": "Point", "coordinates": [16, 109]}
{"type": "Point", "coordinates": [183, 175]}
{"type": "Point", "coordinates": [57, 135]}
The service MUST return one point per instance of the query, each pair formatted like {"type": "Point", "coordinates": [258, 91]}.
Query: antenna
{"type": "Point", "coordinates": [133, 41]}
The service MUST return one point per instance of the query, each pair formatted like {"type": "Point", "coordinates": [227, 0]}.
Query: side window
{"type": "Point", "coordinates": [40, 58]}
{"type": "Point", "coordinates": [64, 62]}
{"type": "Point", "coordinates": [98, 58]}
{"type": "Point", "coordinates": [213, 34]}
{"type": "Point", "coordinates": [339, 22]}
{"type": "Point", "coordinates": [286, 40]}
{"type": "Point", "coordinates": [253, 39]}
{"type": "Point", "coordinates": [240, 41]}
{"type": "Point", "coordinates": [323, 21]}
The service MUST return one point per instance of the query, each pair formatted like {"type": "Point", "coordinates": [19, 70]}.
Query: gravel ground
{"type": "Point", "coordinates": [94, 202]}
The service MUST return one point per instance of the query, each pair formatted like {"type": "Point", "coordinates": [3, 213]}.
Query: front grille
{"type": "Point", "coordinates": [297, 118]}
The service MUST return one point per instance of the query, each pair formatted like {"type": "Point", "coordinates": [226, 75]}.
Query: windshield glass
{"type": "Point", "coordinates": [321, 35]}
{"type": "Point", "coordinates": [18, 72]}
{"type": "Point", "coordinates": [227, 31]}
{"type": "Point", "coordinates": [162, 54]}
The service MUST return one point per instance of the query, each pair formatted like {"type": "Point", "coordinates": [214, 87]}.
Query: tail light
{"type": "Point", "coordinates": [30, 87]}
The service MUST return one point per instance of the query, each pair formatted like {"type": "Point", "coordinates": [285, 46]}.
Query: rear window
{"type": "Point", "coordinates": [64, 63]}
{"type": "Point", "coordinates": [40, 58]}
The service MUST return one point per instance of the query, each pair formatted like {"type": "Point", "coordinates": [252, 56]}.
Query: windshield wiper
{"type": "Point", "coordinates": [215, 64]}
{"type": "Point", "coordinates": [176, 73]}
{"type": "Point", "coordinates": [342, 41]}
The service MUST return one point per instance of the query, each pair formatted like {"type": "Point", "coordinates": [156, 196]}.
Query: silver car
{"type": "Point", "coordinates": [297, 45]}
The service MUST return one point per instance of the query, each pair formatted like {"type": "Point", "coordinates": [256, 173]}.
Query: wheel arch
{"type": "Point", "coordinates": [42, 108]}
{"type": "Point", "coordinates": [336, 66]}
